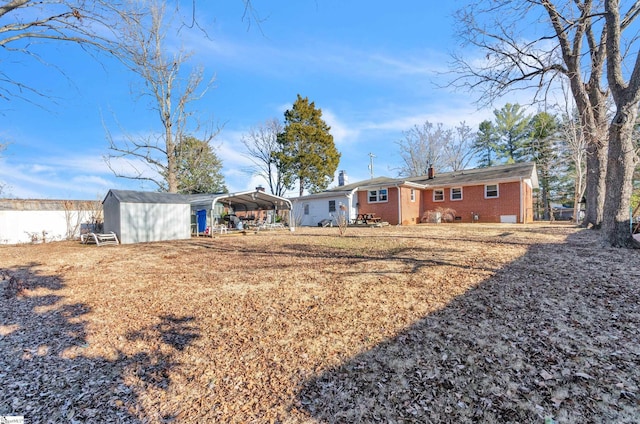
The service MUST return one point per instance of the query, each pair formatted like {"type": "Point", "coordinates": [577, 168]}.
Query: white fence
{"type": "Point", "coordinates": [31, 221]}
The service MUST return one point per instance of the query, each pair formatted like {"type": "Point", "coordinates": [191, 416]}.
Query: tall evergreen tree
{"type": "Point", "coordinates": [308, 154]}
{"type": "Point", "coordinates": [542, 150]}
{"type": "Point", "coordinates": [511, 126]}
{"type": "Point", "coordinates": [485, 144]}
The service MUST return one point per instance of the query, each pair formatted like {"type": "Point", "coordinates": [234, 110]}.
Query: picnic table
{"type": "Point", "coordinates": [368, 218]}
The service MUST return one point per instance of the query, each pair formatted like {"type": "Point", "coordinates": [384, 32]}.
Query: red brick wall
{"type": "Point", "coordinates": [488, 210]}
{"type": "Point", "coordinates": [388, 210]}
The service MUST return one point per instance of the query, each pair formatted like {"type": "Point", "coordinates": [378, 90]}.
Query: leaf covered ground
{"type": "Point", "coordinates": [432, 323]}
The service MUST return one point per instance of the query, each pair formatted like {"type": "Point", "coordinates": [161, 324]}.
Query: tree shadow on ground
{"type": "Point", "coordinates": [44, 374]}
{"type": "Point", "coordinates": [413, 258]}
{"type": "Point", "coordinates": [553, 334]}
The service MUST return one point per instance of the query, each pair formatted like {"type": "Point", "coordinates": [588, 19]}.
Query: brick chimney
{"type": "Point", "coordinates": [343, 179]}
{"type": "Point", "coordinates": [431, 173]}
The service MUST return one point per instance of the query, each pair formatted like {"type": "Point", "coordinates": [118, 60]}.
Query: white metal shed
{"type": "Point", "coordinates": [138, 216]}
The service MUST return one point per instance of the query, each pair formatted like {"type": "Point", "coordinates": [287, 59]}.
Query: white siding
{"type": "Point", "coordinates": [319, 210]}
{"type": "Point", "coordinates": [25, 226]}
{"type": "Point", "coordinates": [142, 222]}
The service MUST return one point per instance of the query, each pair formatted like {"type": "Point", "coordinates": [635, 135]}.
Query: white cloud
{"type": "Point", "coordinates": [342, 132]}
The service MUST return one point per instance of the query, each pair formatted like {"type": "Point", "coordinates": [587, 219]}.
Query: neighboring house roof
{"type": "Point", "coordinates": [378, 181]}
{"type": "Point", "coordinates": [512, 172]}
{"type": "Point", "coordinates": [46, 205]}
{"type": "Point", "coordinates": [332, 193]}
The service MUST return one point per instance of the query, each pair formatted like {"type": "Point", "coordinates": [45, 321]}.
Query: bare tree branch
{"type": "Point", "coordinates": [261, 144]}
{"type": "Point", "coordinates": [142, 50]}
{"type": "Point", "coordinates": [517, 60]}
{"type": "Point", "coordinates": [423, 146]}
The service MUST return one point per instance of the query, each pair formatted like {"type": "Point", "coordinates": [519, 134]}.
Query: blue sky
{"type": "Point", "coordinates": [374, 68]}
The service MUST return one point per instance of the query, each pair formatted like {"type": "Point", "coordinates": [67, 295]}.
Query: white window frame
{"type": "Point", "coordinates": [486, 187]}
{"type": "Point", "coordinates": [334, 206]}
{"type": "Point", "coordinates": [413, 195]}
{"type": "Point", "coordinates": [438, 190]}
{"type": "Point", "coordinates": [376, 196]}
{"type": "Point", "coordinates": [451, 194]}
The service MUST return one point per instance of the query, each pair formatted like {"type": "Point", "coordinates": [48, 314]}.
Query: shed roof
{"type": "Point", "coordinates": [132, 196]}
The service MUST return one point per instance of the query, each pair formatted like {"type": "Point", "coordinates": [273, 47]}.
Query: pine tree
{"type": "Point", "coordinates": [541, 148]}
{"type": "Point", "coordinates": [308, 154]}
{"type": "Point", "coordinates": [485, 144]}
{"type": "Point", "coordinates": [511, 128]}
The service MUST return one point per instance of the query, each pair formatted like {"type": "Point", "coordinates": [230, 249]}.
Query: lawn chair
{"type": "Point", "coordinates": [99, 239]}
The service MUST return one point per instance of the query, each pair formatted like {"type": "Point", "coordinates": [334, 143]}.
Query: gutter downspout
{"type": "Point", "coordinates": [351, 205]}
{"type": "Point", "coordinates": [521, 203]}
{"type": "Point", "coordinates": [399, 205]}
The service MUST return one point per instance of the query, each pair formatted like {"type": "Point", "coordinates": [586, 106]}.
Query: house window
{"type": "Point", "coordinates": [306, 209]}
{"type": "Point", "coordinates": [456, 193]}
{"type": "Point", "coordinates": [332, 205]}
{"type": "Point", "coordinates": [438, 195]}
{"type": "Point", "coordinates": [491, 191]}
{"type": "Point", "coordinates": [378, 195]}
{"type": "Point", "coordinates": [413, 195]}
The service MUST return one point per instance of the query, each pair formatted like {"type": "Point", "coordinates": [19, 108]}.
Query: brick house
{"type": "Point", "coordinates": [497, 194]}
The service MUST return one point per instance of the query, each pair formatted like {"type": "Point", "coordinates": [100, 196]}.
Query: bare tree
{"type": "Point", "coordinates": [622, 155]}
{"type": "Point", "coordinates": [515, 60]}
{"type": "Point", "coordinates": [572, 137]}
{"type": "Point", "coordinates": [261, 143]}
{"type": "Point", "coordinates": [144, 52]}
{"type": "Point", "coordinates": [91, 25]}
{"type": "Point", "coordinates": [423, 146]}
{"type": "Point", "coordinates": [459, 151]}
{"type": "Point", "coordinates": [2, 185]}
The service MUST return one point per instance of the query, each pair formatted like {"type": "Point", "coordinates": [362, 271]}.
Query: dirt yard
{"type": "Point", "coordinates": [451, 323]}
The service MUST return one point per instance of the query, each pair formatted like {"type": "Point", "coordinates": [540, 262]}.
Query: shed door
{"type": "Point", "coordinates": [202, 220]}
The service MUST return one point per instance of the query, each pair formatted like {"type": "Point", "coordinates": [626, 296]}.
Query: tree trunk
{"type": "Point", "coordinates": [595, 185]}
{"type": "Point", "coordinates": [619, 179]}
{"type": "Point", "coordinates": [543, 174]}
{"type": "Point", "coordinates": [578, 193]}
{"type": "Point", "coordinates": [595, 127]}
{"type": "Point", "coordinates": [172, 168]}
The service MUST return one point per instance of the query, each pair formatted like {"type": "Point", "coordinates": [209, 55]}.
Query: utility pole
{"type": "Point", "coordinates": [371, 156]}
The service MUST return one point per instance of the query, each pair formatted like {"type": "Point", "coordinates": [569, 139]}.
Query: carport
{"type": "Point", "coordinates": [246, 201]}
